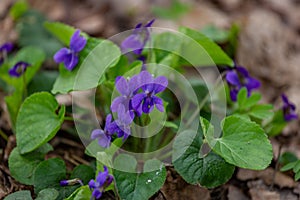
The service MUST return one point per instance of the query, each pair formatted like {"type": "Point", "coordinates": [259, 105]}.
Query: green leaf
{"type": "Point", "coordinates": [242, 97]}
{"type": "Point", "coordinates": [43, 81]}
{"type": "Point", "coordinates": [209, 171]}
{"type": "Point", "coordinates": [62, 31]}
{"type": "Point", "coordinates": [296, 167]}
{"type": "Point", "coordinates": [251, 101]}
{"type": "Point", "coordinates": [47, 194]}
{"type": "Point", "coordinates": [288, 166]}
{"type": "Point", "coordinates": [207, 53]}
{"type": "Point", "coordinates": [83, 172]}
{"type": "Point", "coordinates": [170, 124]}
{"type": "Point", "coordinates": [13, 103]}
{"type": "Point", "coordinates": [24, 195]}
{"type": "Point", "coordinates": [167, 48]}
{"type": "Point", "coordinates": [96, 57]}
{"type": "Point", "coordinates": [49, 173]}
{"type": "Point", "coordinates": [287, 157]}
{"type": "Point", "coordinates": [214, 33]}
{"type": "Point", "coordinates": [248, 105]}
{"type": "Point", "coordinates": [18, 9]}
{"type": "Point", "coordinates": [31, 55]}
{"type": "Point", "coordinates": [176, 10]}
{"type": "Point", "coordinates": [297, 176]}
{"type": "Point", "coordinates": [140, 186]}
{"type": "Point", "coordinates": [32, 33]}
{"type": "Point", "coordinates": [277, 124]}
{"type": "Point", "coordinates": [39, 118]}
{"type": "Point", "coordinates": [263, 111]}
{"type": "Point", "coordinates": [93, 149]}
{"type": "Point", "coordinates": [22, 166]}
{"type": "Point", "coordinates": [125, 162]}
{"type": "Point", "coordinates": [243, 143]}
{"type": "Point", "coordinates": [81, 193]}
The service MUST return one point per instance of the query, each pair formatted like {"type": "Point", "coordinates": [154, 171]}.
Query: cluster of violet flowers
{"type": "Point", "coordinates": [103, 180]}
{"type": "Point", "coordinates": [19, 68]}
{"type": "Point", "coordinates": [238, 77]}
{"type": "Point", "coordinates": [138, 94]}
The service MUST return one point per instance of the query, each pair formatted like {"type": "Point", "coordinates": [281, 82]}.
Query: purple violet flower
{"type": "Point", "coordinates": [70, 56]}
{"type": "Point", "coordinates": [127, 89]}
{"type": "Point", "coordinates": [18, 69]}
{"type": "Point", "coordinates": [121, 126]}
{"type": "Point", "coordinates": [239, 77]}
{"type": "Point", "coordinates": [104, 136]}
{"type": "Point", "coordinates": [103, 180]}
{"type": "Point", "coordinates": [288, 109]}
{"type": "Point", "coordinates": [150, 86]}
{"type": "Point", "coordinates": [70, 182]}
{"type": "Point", "coordinates": [138, 39]}
{"type": "Point", "coordinates": [64, 183]}
{"type": "Point", "coordinates": [4, 50]}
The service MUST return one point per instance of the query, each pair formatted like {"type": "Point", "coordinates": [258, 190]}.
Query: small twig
{"type": "Point", "coordinates": [163, 195]}
{"type": "Point", "coordinates": [71, 160]}
{"type": "Point", "coordinates": [80, 160]}
{"type": "Point", "coordinates": [276, 168]}
{"type": "Point", "coordinates": [69, 142]}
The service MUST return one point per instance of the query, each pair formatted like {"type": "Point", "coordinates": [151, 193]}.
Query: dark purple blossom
{"type": "Point", "coordinates": [138, 39]}
{"type": "Point", "coordinates": [102, 181]}
{"type": "Point", "coordinates": [70, 182]}
{"type": "Point", "coordinates": [64, 183]}
{"type": "Point", "coordinates": [70, 56]}
{"type": "Point", "coordinates": [237, 78]}
{"type": "Point", "coordinates": [18, 69]}
{"type": "Point", "coordinates": [4, 50]}
{"type": "Point", "coordinates": [150, 87]}
{"type": "Point", "coordinates": [289, 109]}
{"type": "Point", "coordinates": [104, 136]}
{"type": "Point", "coordinates": [127, 89]}
{"type": "Point", "coordinates": [121, 126]}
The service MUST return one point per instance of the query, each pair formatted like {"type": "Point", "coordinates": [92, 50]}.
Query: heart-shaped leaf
{"type": "Point", "coordinates": [39, 119]}
{"type": "Point", "coordinates": [48, 174]}
{"type": "Point", "coordinates": [138, 186]}
{"type": "Point", "coordinates": [22, 166]}
{"type": "Point", "coordinates": [209, 170]}
{"type": "Point", "coordinates": [243, 143]}
{"type": "Point", "coordinates": [47, 194]}
{"type": "Point", "coordinates": [208, 52]}
{"type": "Point", "coordinates": [24, 195]}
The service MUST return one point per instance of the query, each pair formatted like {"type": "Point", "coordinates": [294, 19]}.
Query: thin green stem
{"type": "Point", "coordinates": [24, 86]}
{"type": "Point", "coordinates": [166, 155]}
{"type": "Point", "coordinates": [3, 135]}
{"type": "Point", "coordinates": [67, 118]}
{"type": "Point", "coordinates": [205, 99]}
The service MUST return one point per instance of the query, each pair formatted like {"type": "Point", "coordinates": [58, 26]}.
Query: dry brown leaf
{"type": "Point", "coordinates": [235, 193]}
{"type": "Point", "coordinates": [266, 175]}
{"type": "Point", "coordinates": [262, 194]}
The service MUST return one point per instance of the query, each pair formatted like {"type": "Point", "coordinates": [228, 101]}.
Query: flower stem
{"type": "Point", "coordinates": [66, 118]}
{"type": "Point", "coordinates": [3, 135]}
{"type": "Point", "coordinates": [205, 99]}
{"type": "Point", "coordinates": [24, 86]}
